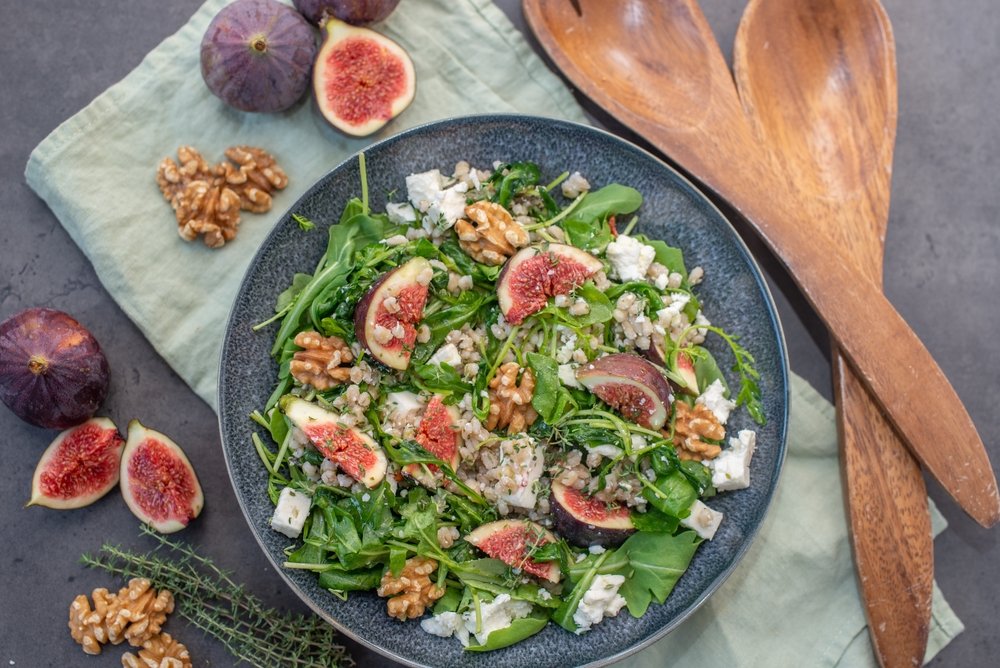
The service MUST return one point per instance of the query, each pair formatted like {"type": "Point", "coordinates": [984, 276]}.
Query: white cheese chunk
{"type": "Point", "coordinates": [714, 398]}
{"type": "Point", "coordinates": [399, 404]}
{"type": "Point", "coordinates": [400, 213]}
{"type": "Point", "coordinates": [529, 464]}
{"type": "Point", "coordinates": [599, 601]}
{"type": "Point", "coordinates": [495, 615]}
{"type": "Point", "coordinates": [447, 354]}
{"type": "Point", "coordinates": [567, 376]}
{"type": "Point", "coordinates": [427, 194]}
{"type": "Point", "coordinates": [630, 258]}
{"type": "Point", "coordinates": [446, 625]}
{"type": "Point", "coordinates": [703, 520]}
{"type": "Point", "coordinates": [291, 512]}
{"type": "Point", "coordinates": [731, 469]}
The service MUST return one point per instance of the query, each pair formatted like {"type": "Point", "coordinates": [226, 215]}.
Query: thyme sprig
{"type": "Point", "coordinates": [209, 599]}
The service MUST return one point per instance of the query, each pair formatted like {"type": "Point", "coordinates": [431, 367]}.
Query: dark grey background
{"type": "Point", "coordinates": [941, 273]}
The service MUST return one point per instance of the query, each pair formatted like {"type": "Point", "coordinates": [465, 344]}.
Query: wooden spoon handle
{"type": "Point", "coordinates": [886, 355]}
{"type": "Point", "coordinates": [890, 524]}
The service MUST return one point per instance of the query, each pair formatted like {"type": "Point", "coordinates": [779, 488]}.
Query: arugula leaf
{"type": "Point", "coordinates": [519, 629]}
{"type": "Point", "coordinates": [657, 561]}
{"type": "Point", "coordinates": [563, 616]}
{"type": "Point", "coordinates": [519, 175]}
{"type": "Point", "coordinates": [285, 299]}
{"type": "Point", "coordinates": [612, 199]}
{"type": "Point", "coordinates": [441, 379]}
{"type": "Point", "coordinates": [304, 223]}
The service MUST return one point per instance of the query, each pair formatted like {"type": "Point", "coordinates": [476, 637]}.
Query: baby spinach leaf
{"type": "Point", "coordinates": [587, 234]}
{"type": "Point", "coordinates": [674, 494]}
{"type": "Point", "coordinates": [670, 257]}
{"type": "Point", "coordinates": [600, 306]}
{"type": "Point", "coordinates": [657, 561]}
{"type": "Point", "coordinates": [285, 299]}
{"type": "Point", "coordinates": [550, 399]}
{"type": "Point", "coordinates": [655, 521]}
{"type": "Point", "coordinates": [441, 379]}
{"type": "Point", "coordinates": [338, 579]}
{"type": "Point", "coordinates": [706, 369]}
{"type": "Point", "coordinates": [519, 629]}
{"type": "Point", "coordinates": [449, 602]}
{"type": "Point", "coordinates": [518, 176]}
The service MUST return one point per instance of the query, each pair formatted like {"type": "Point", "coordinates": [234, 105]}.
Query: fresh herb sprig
{"type": "Point", "coordinates": [209, 599]}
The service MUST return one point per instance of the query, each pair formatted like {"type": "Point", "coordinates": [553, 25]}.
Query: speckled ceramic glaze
{"type": "Point", "coordinates": [733, 296]}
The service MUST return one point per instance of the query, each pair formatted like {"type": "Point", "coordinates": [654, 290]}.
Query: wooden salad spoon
{"type": "Point", "coordinates": [656, 67]}
{"type": "Point", "coordinates": [818, 80]}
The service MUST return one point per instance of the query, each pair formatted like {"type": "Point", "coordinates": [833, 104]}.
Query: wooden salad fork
{"type": "Point", "coordinates": [656, 67]}
{"type": "Point", "coordinates": [819, 85]}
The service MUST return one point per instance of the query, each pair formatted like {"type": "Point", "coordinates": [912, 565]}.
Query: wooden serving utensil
{"type": "Point", "coordinates": [656, 67]}
{"type": "Point", "coordinates": [819, 84]}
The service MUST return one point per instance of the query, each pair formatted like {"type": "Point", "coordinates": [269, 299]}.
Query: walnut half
{"type": "Point", "coordinates": [412, 591]}
{"type": "Point", "coordinates": [160, 651]}
{"type": "Point", "coordinates": [491, 235]}
{"type": "Point", "coordinates": [691, 425]}
{"type": "Point", "coordinates": [319, 362]}
{"type": "Point", "coordinates": [510, 399]}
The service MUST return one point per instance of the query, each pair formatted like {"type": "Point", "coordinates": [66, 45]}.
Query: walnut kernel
{"type": "Point", "coordinates": [412, 591]}
{"type": "Point", "coordinates": [510, 400]}
{"type": "Point", "coordinates": [691, 425]}
{"type": "Point", "coordinates": [491, 234]}
{"type": "Point", "coordinates": [160, 651]}
{"type": "Point", "coordinates": [320, 361]}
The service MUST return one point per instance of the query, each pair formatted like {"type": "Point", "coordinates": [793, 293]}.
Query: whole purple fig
{"type": "Point", "coordinates": [257, 55]}
{"type": "Point", "coordinates": [355, 12]}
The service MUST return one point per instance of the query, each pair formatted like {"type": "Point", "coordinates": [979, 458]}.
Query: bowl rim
{"type": "Point", "coordinates": [758, 276]}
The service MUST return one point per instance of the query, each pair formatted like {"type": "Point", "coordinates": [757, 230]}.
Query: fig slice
{"type": "Point", "coordinates": [534, 274]}
{"type": "Point", "coordinates": [386, 317]}
{"type": "Point", "coordinates": [356, 453]}
{"type": "Point", "coordinates": [361, 79]}
{"type": "Point", "coordinates": [631, 385]}
{"type": "Point", "coordinates": [79, 466]}
{"type": "Point", "coordinates": [586, 521]}
{"type": "Point", "coordinates": [438, 434]}
{"type": "Point", "coordinates": [511, 541]}
{"type": "Point", "coordinates": [158, 483]}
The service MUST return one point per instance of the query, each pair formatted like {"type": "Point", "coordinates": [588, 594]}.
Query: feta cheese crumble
{"type": "Point", "coordinates": [426, 192]}
{"type": "Point", "coordinates": [291, 512]}
{"type": "Point", "coordinates": [447, 354]}
{"type": "Point", "coordinates": [715, 400]}
{"type": "Point", "coordinates": [703, 520]}
{"type": "Point", "coordinates": [630, 258]}
{"type": "Point", "coordinates": [600, 601]}
{"type": "Point", "coordinates": [567, 376]}
{"type": "Point", "coordinates": [731, 469]}
{"type": "Point", "coordinates": [495, 615]}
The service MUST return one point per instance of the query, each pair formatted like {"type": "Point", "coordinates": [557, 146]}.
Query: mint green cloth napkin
{"type": "Point", "coordinates": [791, 601]}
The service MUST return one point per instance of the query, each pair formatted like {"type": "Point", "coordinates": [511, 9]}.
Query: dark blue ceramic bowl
{"type": "Point", "coordinates": [733, 295]}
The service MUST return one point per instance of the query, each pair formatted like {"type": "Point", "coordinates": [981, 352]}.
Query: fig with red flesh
{"type": "Point", "coordinates": [80, 466]}
{"type": "Point", "coordinates": [511, 541]}
{"type": "Point", "coordinates": [361, 80]}
{"type": "Point", "coordinates": [438, 434]}
{"type": "Point", "coordinates": [681, 367]}
{"type": "Point", "coordinates": [388, 329]}
{"type": "Point", "coordinates": [52, 371]}
{"type": "Point", "coordinates": [534, 274]}
{"type": "Point", "coordinates": [257, 54]}
{"type": "Point", "coordinates": [157, 481]}
{"type": "Point", "coordinates": [356, 453]}
{"type": "Point", "coordinates": [586, 521]}
{"type": "Point", "coordinates": [631, 385]}
{"type": "Point", "coordinates": [357, 12]}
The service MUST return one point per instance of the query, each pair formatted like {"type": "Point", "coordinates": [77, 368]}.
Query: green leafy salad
{"type": "Point", "coordinates": [493, 407]}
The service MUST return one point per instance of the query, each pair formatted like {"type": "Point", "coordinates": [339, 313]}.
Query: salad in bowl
{"type": "Point", "coordinates": [496, 407]}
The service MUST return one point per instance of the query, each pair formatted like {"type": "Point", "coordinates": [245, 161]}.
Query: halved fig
{"type": "Point", "coordinates": [631, 385]}
{"type": "Point", "coordinates": [79, 466]}
{"type": "Point", "coordinates": [511, 541]}
{"type": "Point", "coordinates": [534, 274]}
{"type": "Point", "coordinates": [683, 367]}
{"type": "Point", "coordinates": [385, 319]}
{"type": "Point", "coordinates": [586, 521]}
{"type": "Point", "coordinates": [362, 79]}
{"type": "Point", "coordinates": [158, 483]}
{"type": "Point", "coordinates": [356, 453]}
{"type": "Point", "coordinates": [437, 433]}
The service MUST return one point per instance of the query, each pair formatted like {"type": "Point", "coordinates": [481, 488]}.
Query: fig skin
{"type": "Point", "coordinates": [361, 80]}
{"type": "Point", "coordinates": [68, 475]}
{"type": "Point", "coordinates": [355, 12]}
{"type": "Point", "coordinates": [152, 466]}
{"type": "Point", "coordinates": [366, 313]}
{"type": "Point", "coordinates": [520, 296]}
{"type": "Point", "coordinates": [632, 373]}
{"type": "Point", "coordinates": [53, 373]}
{"type": "Point", "coordinates": [583, 522]}
{"type": "Point", "coordinates": [257, 55]}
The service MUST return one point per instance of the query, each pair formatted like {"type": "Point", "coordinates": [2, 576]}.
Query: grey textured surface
{"type": "Point", "coordinates": [734, 298]}
{"type": "Point", "coordinates": [941, 273]}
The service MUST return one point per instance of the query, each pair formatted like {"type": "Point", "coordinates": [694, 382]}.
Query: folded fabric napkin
{"type": "Point", "coordinates": [793, 599]}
